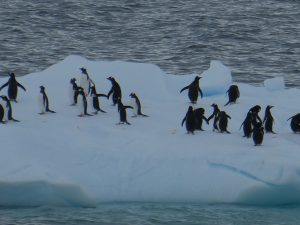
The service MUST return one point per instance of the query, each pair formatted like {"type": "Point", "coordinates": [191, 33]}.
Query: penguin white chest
{"type": "Point", "coordinates": [41, 103]}
{"type": "Point", "coordinates": [80, 105]}
{"type": "Point", "coordinates": [84, 83]}
{"type": "Point", "coordinates": [134, 106]}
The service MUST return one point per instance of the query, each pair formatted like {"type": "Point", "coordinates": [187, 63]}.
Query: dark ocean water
{"type": "Point", "coordinates": [256, 39]}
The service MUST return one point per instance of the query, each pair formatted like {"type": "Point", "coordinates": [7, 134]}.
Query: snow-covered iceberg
{"type": "Point", "coordinates": [70, 160]}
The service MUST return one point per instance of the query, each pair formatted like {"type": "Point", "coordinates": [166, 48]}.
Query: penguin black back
{"type": "Point", "coordinates": [13, 85]}
{"type": "Point", "coordinates": [255, 110]}
{"type": "Point", "coordinates": [122, 111]}
{"type": "Point", "coordinates": [193, 90]}
{"type": "Point", "coordinates": [268, 120]}
{"type": "Point", "coordinates": [258, 134]}
{"type": "Point", "coordinates": [233, 94]}
{"type": "Point", "coordinates": [115, 90]}
{"type": "Point", "coordinates": [199, 117]}
{"type": "Point", "coordinates": [95, 99]}
{"type": "Point", "coordinates": [295, 123]}
{"type": "Point", "coordinates": [189, 120]}
{"type": "Point", "coordinates": [222, 119]}
{"type": "Point", "coordinates": [247, 125]}
{"type": "Point", "coordinates": [1, 114]}
{"type": "Point", "coordinates": [137, 105]}
{"type": "Point", "coordinates": [214, 115]}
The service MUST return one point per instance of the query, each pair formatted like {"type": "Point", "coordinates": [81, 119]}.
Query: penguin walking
{"type": "Point", "coordinates": [247, 125]}
{"type": "Point", "coordinates": [222, 120]}
{"type": "Point", "coordinates": [44, 101]}
{"type": "Point", "coordinates": [13, 85]}
{"type": "Point", "coordinates": [115, 91]}
{"type": "Point", "coordinates": [233, 94]}
{"type": "Point", "coordinates": [73, 93]}
{"type": "Point", "coordinates": [258, 134]}
{"type": "Point", "coordinates": [95, 99]}
{"type": "Point", "coordinates": [2, 113]}
{"type": "Point", "coordinates": [85, 81]}
{"type": "Point", "coordinates": [295, 123]}
{"type": "Point", "coordinates": [214, 115]}
{"type": "Point", "coordinates": [8, 109]}
{"type": "Point", "coordinates": [189, 120]}
{"type": "Point", "coordinates": [136, 104]}
{"type": "Point", "coordinates": [199, 117]}
{"type": "Point", "coordinates": [122, 111]}
{"type": "Point", "coordinates": [82, 103]}
{"type": "Point", "coordinates": [193, 90]}
{"type": "Point", "coordinates": [268, 120]}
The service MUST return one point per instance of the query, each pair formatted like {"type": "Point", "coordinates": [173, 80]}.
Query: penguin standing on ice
{"type": "Point", "coordinates": [115, 91]}
{"type": "Point", "coordinates": [215, 116]}
{"type": "Point", "coordinates": [222, 120]}
{"type": "Point", "coordinates": [193, 90]}
{"type": "Point", "coordinates": [122, 111]}
{"type": "Point", "coordinates": [82, 103]}
{"type": "Point", "coordinates": [13, 85]}
{"type": "Point", "coordinates": [233, 94]}
{"type": "Point", "coordinates": [95, 100]}
{"type": "Point", "coordinates": [295, 123]}
{"type": "Point", "coordinates": [255, 117]}
{"type": "Point", "coordinates": [85, 81]}
{"type": "Point", "coordinates": [247, 125]}
{"type": "Point", "coordinates": [3, 104]}
{"type": "Point", "coordinates": [268, 120]}
{"type": "Point", "coordinates": [44, 101]}
{"type": "Point", "coordinates": [73, 93]}
{"type": "Point", "coordinates": [258, 134]}
{"type": "Point", "coordinates": [8, 109]}
{"type": "Point", "coordinates": [189, 120]}
{"type": "Point", "coordinates": [136, 104]}
{"type": "Point", "coordinates": [199, 117]}
{"type": "Point", "coordinates": [2, 113]}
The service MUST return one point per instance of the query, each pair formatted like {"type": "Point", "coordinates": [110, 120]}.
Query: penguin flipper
{"type": "Point", "coordinates": [21, 86]}
{"type": "Point", "coordinates": [185, 88]}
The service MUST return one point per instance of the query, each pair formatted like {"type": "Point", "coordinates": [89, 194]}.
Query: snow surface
{"type": "Point", "coordinates": [62, 159]}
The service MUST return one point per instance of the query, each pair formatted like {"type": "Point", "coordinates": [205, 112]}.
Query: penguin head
{"type": "Point", "coordinates": [190, 109]}
{"type": "Point", "coordinates": [255, 109]}
{"type": "Point", "coordinates": [83, 70]}
{"type": "Point", "coordinates": [12, 75]}
{"type": "Point", "coordinates": [111, 79]}
{"type": "Point", "coordinates": [132, 95]}
{"type": "Point", "coordinates": [73, 80]}
{"type": "Point", "coordinates": [197, 78]}
{"type": "Point", "coordinates": [269, 107]}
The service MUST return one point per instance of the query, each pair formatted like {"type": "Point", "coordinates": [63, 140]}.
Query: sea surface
{"type": "Point", "coordinates": [256, 39]}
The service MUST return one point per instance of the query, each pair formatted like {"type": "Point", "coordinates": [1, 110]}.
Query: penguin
{"type": "Point", "coordinates": [215, 116]}
{"type": "Point", "coordinates": [8, 110]}
{"type": "Point", "coordinates": [4, 110]}
{"type": "Point", "coordinates": [268, 120]}
{"type": "Point", "coordinates": [82, 103]}
{"type": "Point", "coordinates": [136, 104]}
{"type": "Point", "coordinates": [44, 101]}
{"type": "Point", "coordinates": [85, 81]}
{"type": "Point", "coordinates": [122, 111]}
{"type": "Point", "coordinates": [13, 85]}
{"type": "Point", "coordinates": [115, 90]}
{"type": "Point", "coordinates": [189, 120]}
{"type": "Point", "coordinates": [2, 113]}
{"type": "Point", "coordinates": [222, 120]}
{"type": "Point", "coordinates": [95, 100]}
{"type": "Point", "coordinates": [255, 117]}
{"type": "Point", "coordinates": [193, 90]}
{"type": "Point", "coordinates": [73, 94]}
{"type": "Point", "coordinates": [258, 134]}
{"type": "Point", "coordinates": [247, 125]}
{"type": "Point", "coordinates": [233, 94]}
{"type": "Point", "coordinates": [295, 123]}
{"type": "Point", "coordinates": [199, 117]}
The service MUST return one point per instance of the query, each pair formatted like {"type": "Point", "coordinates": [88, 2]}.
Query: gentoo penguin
{"type": "Point", "coordinates": [136, 104]}
{"type": "Point", "coordinates": [95, 99]}
{"type": "Point", "coordinates": [122, 111]}
{"type": "Point", "coordinates": [233, 94]}
{"type": "Point", "coordinates": [8, 109]}
{"type": "Point", "coordinates": [295, 123]}
{"type": "Point", "coordinates": [44, 101]}
{"type": "Point", "coordinates": [189, 120]}
{"type": "Point", "coordinates": [258, 134]}
{"type": "Point", "coordinates": [73, 94]}
{"type": "Point", "coordinates": [193, 90]}
{"type": "Point", "coordinates": [215, 116]}
{"type": "Point", "coordinates": [268, 120]}
{"type": "Point", "coordinates": [4, 110]}
{"type": "Point", "coordinates": [199, 117]}
{"type": "Point", "coordinates": [82, 102]}
{"type": "Point", "coordinates": [12, 87]}
{"type": "Point", "coordinates": [255, 117]}
{"type": "Point", "coordinates": [2, 113]}
{"type": "Point", "coordinates": [222, 120]}
{"type": "Point", "coordinates": [85, 81]}
{"type": "Point", "coordinates": [247, 125]}
{"type": "Point", "coordinates": [115, 90]}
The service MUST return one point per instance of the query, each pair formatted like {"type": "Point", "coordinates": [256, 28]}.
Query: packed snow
{"type": "Point", "coordinates": [62, 159]}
